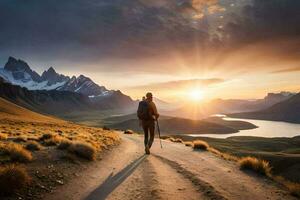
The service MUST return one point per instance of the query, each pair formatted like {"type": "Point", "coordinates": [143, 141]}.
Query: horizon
{"type": "Point", "coordinates": [210, 47]}
{"type": "Point", "coordinates": [199, 100]}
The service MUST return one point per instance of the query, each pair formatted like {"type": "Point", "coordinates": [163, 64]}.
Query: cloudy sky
{"type": "Point", "coordinates": [225, 48]}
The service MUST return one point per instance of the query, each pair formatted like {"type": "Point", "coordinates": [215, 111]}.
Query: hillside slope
{"type": "Point", "coordinates": [287, 111]}
{"type": "Point", "coordinates": [12, 111]}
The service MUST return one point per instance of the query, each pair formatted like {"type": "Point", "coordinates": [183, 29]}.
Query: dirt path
{"type": "Point", "coordinates": [174, 172]}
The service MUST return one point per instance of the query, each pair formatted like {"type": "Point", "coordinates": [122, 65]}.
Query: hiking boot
{"type": "Point", "coordinates": [147, 150]}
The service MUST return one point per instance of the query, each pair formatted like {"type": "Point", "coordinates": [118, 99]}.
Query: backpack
{"type": "Point", "coordinates": [143, 111]}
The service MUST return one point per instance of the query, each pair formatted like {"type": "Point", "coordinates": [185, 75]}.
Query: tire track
{"type": "Point", "coordinates": [201, 185]}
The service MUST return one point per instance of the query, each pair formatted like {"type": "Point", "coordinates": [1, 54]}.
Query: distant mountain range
{"type": "Point", "coordinates": [56, 93]}
{"type": "Point", "coordinates": [228, 106]}
{"type": "Point", "coordinates": [18, 72]}
{"type": "Point", "coordinates": [287, 110]}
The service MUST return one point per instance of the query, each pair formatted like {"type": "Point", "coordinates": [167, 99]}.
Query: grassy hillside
{"type": "Point", "coordinates": [42, 151]}
{"type": "Point", "coordinates": [282, 153]}
{"type": "Point", "coordinates": [12, 111]}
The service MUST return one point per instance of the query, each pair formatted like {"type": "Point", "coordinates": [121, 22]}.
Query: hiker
{"type": "Point", "coordinates": [147, 113]}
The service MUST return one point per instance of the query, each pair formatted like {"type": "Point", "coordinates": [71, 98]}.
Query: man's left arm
{"type": "Point", "coordinates": [155, 113]}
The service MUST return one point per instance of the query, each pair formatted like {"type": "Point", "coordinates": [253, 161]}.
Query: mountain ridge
{"type": "Point", "coordinates": [18, 72]}
{"type": "Point", "coordinates": [287, 111]}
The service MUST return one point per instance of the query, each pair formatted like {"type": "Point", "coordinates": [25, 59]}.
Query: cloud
{"type": "Point", "coordinates": [287, 70]}
{"type": "Point", "coordinates": [199, 8]}
{"type": "Point", "coordinates": [181, 84]}
{"type": "Point", "coordinates": [140, 35]}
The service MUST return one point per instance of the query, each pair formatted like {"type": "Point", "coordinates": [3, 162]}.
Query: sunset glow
{"type": "Point", "coordinates": [196, 95]}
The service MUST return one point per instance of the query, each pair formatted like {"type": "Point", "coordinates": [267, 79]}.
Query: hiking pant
{"type": "Point", "coordinates": [148, 127]}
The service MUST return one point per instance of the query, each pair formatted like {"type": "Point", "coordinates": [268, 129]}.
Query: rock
{"type": "Point", "coordinates": [128, 131]}
{"type": "Point", "coordinates": [59, 182]}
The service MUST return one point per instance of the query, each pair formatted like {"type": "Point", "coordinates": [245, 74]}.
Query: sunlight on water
{"type": "Point", "coordinates": [265, 129]}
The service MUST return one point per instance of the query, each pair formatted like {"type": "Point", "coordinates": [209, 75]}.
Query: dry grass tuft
{"type": "Point", "coordinates": [294, 188]}
{"type": "Point", "coordinates": [20, 139]}
{"type": "Point", "coordinates": [52, 141]}
{"type": "Point", "coordinates": [33, 146]}
{"type": "Point", "coordinates": [164, 137]}
{"type": "Point", "coordinates": [83, 150]}
{"type": "Point", "coordinates": [64, 144]}
{"type": "Point", "coordinates": [46, 136]}
{"type": "Point", "coordinates": [178, 140]}
{"type": "Point", "coordinates": [199, 144]}
{"type": "Point", "coordinates": [3, 136]}
{"type": "Point", "coordinates": [12, 178]}
{"type": "Point", "coordinates": [16, 152]}
{"type": "Point", "coordinates": [188, 144]}
{"type": "Point", "coordinates": [171, 139]}
{"type": "Point", "coordinates": [105, 128]}
{"type": "Point", "coordinates": [254, 164]}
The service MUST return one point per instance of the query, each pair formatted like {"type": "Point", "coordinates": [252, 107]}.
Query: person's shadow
{"type": "Point", "coordinates": [112, 182]}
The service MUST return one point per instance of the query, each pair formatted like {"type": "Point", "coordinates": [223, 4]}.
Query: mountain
{"type": "Point", "coordinates": [18, 72]}
{"type": "Point", "coordinates": [52, 77]}
{"type": "Point", "coordinates": [287, 110]}
{"type": "Point", "coordinates": [43, 101]}
{"type": "Point", "coordinates": [86, 86]}
{"type": "Point", "coordinates": [228, 106]}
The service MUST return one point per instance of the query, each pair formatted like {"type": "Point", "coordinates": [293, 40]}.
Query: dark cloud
{"type": "Point", "coordinates": [262, 20]}
{"type": "Point", "coordinates": [95, 30]}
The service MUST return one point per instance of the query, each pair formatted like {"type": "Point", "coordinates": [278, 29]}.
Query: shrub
{"type": "Point", "coordinates": [53, 141]}
{"type": "Point", "coordinates": [106, 128]}
{"type": "Point", "coordinates": [20, 139]}
{"type": "Point", "coordinates": [199, 144]}
{"type": "Point", "coordinates": [171, 139]}
{"type": "Point", "coordinates": [164, 137]}
{"type": "Point", "coordinates": [64, 144]}
{"type": "Point", "coordinates": [46, 136]}
{"type": "Point", "coordinates": [83, 150]}
{"type": "Point", "coordinates": [12, 178]}
{"type": "Point", "coordinates": [294, 189]}
{"type": "Point", "coordinates": [3, 136]}
{"type": "Point", "coordinates": [33, 146]}
{"type": "Point", "coordinates": [178, 140]}
{"type": "Point", "coordinates": [16, 152]}
{"type": "Point", "coordinates": [188, 144]}
{"type": "Point", "coordinates": [254, 164]}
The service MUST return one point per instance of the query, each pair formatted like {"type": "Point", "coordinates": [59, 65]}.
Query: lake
{"type": "Point", "coordinates": [265, 129]}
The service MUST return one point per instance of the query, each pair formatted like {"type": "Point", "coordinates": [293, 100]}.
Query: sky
{"type": "Point", "coordinates": [220, 48]}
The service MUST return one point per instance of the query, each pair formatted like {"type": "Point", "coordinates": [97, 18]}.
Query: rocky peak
{"type": "Point", "coordinates": [53, 77]}
{"type": "Point", "coordinates": [21, 70]}
{"type": "Point", "coordinates": [16, 65]}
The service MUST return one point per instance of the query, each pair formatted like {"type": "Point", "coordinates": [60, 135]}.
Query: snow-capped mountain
{"type": "Point", "coordinates": [18, 72]}
{"type": "Point", "coordinates": [86, 86]}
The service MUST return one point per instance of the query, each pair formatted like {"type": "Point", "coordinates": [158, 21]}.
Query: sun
{"type": "Point", "coordinates": [196, 94]}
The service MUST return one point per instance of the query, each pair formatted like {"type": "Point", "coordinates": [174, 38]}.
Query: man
{"type": "Point", "coordinates": [147, 113]}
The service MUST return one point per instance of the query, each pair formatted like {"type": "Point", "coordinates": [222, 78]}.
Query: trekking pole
{"type": "Point", "coordinates": [158, 133]}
